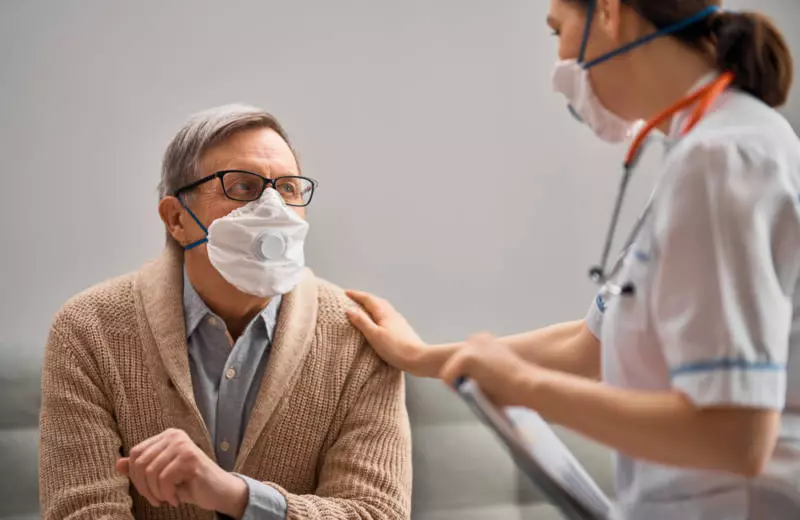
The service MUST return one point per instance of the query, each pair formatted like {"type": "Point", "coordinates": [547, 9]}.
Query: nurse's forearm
{"type": "Point", "coordinates": [664, 428]}
{"type": "Point", "coordinates": [567, 347]}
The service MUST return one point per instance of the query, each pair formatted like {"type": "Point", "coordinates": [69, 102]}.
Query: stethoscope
{"type": "Point", "coordinates": [702, 99]}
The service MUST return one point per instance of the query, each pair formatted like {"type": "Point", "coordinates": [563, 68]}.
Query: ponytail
{"type": "Point", "coordinates": [753, 49]}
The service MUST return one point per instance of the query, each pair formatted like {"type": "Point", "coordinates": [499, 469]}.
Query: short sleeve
{"type": "Point", "coordinates": [594, 317]}
{"type": "Point", "coordinates": [726, 235]}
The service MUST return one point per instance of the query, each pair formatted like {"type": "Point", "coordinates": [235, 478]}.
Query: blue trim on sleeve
{"type": "Point", "coordinates": [601, 304]}
{"type": "Point", "coordinates": [713, 365]}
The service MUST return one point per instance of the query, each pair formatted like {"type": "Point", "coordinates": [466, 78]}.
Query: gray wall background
{"type": "Point", "coordinates": [453, 182]}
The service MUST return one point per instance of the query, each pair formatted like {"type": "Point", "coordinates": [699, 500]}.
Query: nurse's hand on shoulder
{"type": "Point", "coordinates": [386, 330]}
{"type": "Point", "coordinates": [502, 375]}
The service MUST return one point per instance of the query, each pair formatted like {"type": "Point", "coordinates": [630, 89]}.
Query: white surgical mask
{"type": "Point", "coordinates": [573, 81]}
{"type": "Point", "coordinates": [258, 248]}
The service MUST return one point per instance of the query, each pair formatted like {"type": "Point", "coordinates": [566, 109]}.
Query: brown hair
{"type": "Point", "coordinates": [745, 43]}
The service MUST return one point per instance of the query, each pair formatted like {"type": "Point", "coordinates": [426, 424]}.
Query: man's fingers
{"type": "Point", "coordinates": [184, 494]}
{"type": "Point", "coordinates": [140, 448]}
{"type": "Point", "coordinates": [173, 482]}
{"type": "Point", "coordinates": [154, 469]}
{"type": "Point", "coordinates": [169, 479]}
{"type": "Point", "coordinates": [123, 466]}
{"type": "Point", "coordinates": [143, 463]}
{"type": "Point", "coordinates": [138, 469]}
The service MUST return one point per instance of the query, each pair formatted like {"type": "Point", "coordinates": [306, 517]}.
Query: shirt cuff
{"type": "Point", "coordinates": [732, 383]}
{"type": "Point", "coordinates": [264, 502]}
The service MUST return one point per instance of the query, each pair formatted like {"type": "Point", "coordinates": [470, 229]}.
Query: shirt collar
{"type": "Point", "coordinates": [195, 310]}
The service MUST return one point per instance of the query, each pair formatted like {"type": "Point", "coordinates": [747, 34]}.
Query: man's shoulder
{"type": "Point", "coordinates": [332, 299]}
{"type": "Point", "coordinates": [332, 304]}
{"type": "Point", "coordinates": [108, 306]}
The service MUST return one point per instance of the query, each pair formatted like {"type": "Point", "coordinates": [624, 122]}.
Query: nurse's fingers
{"type": "Point", "coordinates": [458, 366]}
{"type": "Point", "coordinates": [463, 364]}
{"type": "Point", "coordinates": [362, 321]}
{"type": "Point", "coordinates": [481, 340]}
{"type": "Point", "coordinates": [378, 308]}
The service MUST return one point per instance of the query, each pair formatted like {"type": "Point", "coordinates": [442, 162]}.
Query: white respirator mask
{"type": "Point", "coordinates": [258, 248]}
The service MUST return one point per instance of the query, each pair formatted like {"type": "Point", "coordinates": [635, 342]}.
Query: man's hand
{"type": "Point", "coordinates": [171, 468]}
{"type": "Point", "coordinates": [501, 374]}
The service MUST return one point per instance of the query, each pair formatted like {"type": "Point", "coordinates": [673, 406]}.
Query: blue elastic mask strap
{"type": "Point", "coordinates": [587, 30]}
{"type": "Point", "coordinates": [705, 13]}
{"type": "Point", "coordinates": [202, 240]}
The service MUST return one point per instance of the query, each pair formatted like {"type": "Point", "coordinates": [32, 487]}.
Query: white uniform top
{"type": "Point", "coordinates": [716, 309]}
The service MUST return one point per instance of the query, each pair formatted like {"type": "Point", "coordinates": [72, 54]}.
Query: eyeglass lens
{"type": "Point", "coordinates": [247, 187]}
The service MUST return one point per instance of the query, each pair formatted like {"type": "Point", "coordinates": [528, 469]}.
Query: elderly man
{"type": "Point", "coordinates": [222, 378]}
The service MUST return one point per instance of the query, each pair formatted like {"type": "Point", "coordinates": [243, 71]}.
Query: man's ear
{"type": "Point", "coordinates": [171, 211]}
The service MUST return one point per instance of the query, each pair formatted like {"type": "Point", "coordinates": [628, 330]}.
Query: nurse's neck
{"type": "Point", "coordinates": [664, 73]}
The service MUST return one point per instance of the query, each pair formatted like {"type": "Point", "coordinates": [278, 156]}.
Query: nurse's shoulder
{"type": "Point", "coordinates": [742, 152]}
{"type": "Point", "coordinates": [751, 124]}
{"type": "Point", "coordinates": [732, 184]}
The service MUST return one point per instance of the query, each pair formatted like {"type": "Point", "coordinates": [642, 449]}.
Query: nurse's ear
{"type": "Point", "coordinates": [609, 19]}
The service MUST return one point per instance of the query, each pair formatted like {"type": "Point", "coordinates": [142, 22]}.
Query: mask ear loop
{"type": "Point", "coordinates": [679, 26]}
{"type": "Point", "coordinates": [202, 240]}
{"type": "Point", "coordinates": [582, 55]}
{"type": "Point", "coordinates": [586, 30]}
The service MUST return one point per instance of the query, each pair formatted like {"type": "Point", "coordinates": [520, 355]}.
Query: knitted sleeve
{"type": "Point", "coordinates": [366, 474]}
{"type": "Point", "coordinates": [79, 443]}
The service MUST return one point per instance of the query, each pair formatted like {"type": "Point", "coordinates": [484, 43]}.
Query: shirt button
{"type": "Point", "coordinates": [224, 446]}
{"type": "Point", "coordinates": [231, 373]}
{"type": "Point", "coordinates": [212, 321]}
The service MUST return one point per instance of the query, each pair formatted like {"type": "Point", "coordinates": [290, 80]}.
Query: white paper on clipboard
{"type": "Point", "coordinates": [540, 454]}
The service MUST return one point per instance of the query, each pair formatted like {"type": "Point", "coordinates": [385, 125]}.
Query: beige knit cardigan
{"type": "Point", "coordinates": [329, 429]}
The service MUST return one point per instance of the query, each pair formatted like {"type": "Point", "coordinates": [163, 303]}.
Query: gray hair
{"type": "Point", "coordinates": [181, 165]}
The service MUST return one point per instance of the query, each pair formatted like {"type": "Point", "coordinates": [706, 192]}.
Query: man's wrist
{"type": "Point", "coordinates": [233, 497]}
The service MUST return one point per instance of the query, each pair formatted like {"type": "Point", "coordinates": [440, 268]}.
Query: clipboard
{"type": "Point", "coordinates": [542, 456]}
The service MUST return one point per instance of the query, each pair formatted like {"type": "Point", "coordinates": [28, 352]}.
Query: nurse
{"type": "Point", "coordinates": [688, 363]}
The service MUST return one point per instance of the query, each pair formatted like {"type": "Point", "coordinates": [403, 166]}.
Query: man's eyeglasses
{"type": "Point", "coordinates": [243, 186]}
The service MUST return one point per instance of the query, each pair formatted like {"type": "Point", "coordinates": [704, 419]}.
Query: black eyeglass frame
{"type": "Point", "coordinates": [266, 182]}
